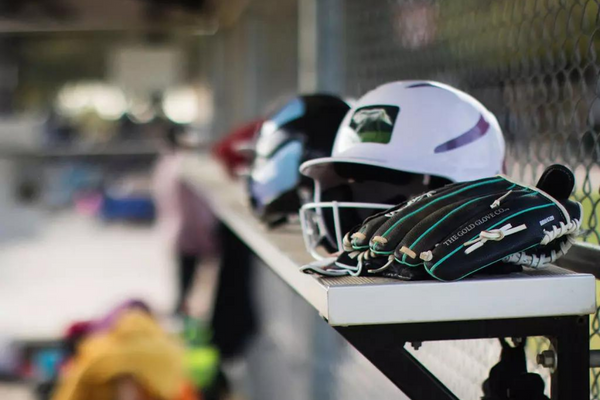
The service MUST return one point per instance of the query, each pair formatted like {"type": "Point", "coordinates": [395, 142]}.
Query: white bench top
{"type": "Point", "coordinates": [361, 300]}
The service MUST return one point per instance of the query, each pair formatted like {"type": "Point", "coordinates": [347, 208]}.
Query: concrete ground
{"type": "Point", "coordinates": [76, 267]}
{"type": "Point", "coordinates": [15, 392]}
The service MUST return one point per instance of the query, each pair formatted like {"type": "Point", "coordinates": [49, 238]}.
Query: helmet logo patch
{"type": "Point", "coordinates": [373, 124]}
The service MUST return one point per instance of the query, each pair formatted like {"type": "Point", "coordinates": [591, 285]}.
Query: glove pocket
{"type": "Point", "coordinates": [437, 226]}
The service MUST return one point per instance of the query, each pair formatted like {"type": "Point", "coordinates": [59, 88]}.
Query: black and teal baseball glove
{"type": "Point", "coordinates": [491, 225]}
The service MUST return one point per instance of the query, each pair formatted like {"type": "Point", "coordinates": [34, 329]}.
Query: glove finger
{"type": "Point", "coordinates": [558, 181]}
{"type": "Point", "coordinates": [359, 239]}
{"type": "Point", "coordinates": [372, 224]}
{"type": "Point", "coordinates": [361, 263]}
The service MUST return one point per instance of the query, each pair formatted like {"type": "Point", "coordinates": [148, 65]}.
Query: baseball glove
{"type": "Point", "coordinates": [491, 225]}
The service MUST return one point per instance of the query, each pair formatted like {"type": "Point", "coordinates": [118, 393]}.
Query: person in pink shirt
{"type": "Point", "coordinates": [183, 213]}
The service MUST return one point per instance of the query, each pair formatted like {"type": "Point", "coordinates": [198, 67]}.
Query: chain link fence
{"type": "Point", "coordinates": [534, 63]}
{"type": "Point", "coordinates": [531, 62]}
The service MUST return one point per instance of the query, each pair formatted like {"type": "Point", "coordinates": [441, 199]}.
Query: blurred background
{"type": "Point", "coordinates": [89, 88]}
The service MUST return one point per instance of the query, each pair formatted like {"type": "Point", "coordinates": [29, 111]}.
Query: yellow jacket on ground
{"type": "Point", "coordinates": [137, 347]}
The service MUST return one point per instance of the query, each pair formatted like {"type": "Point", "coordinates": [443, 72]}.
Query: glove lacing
{"type": "Point", "coordinates": [361, 257]}
{"type": "Point", "coordinates": [496, 202]}
{"type": "Point", "coordinates": [540, 260]}
{"type": "Point", "coordinates": [324, 267]}
{"type": "Point", "coordinates": [493, 234]}
{"type": "Point", "coordinates": [570, 229]}
{"type": "Point", "coordinates": [347, 242]}
{"type": "Point", "coordinates": [561, 230]}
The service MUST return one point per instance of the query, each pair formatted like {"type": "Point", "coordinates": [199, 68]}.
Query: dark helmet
{"type": "Point", "coordinates": [303, 129]}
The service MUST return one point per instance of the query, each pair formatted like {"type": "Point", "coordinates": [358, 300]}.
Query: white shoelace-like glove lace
{"type": "Point", "coordinates": [493, 234]}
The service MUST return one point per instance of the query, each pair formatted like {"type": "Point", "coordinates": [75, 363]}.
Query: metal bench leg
{"type": "Point", "coordinates": [405, 371]}
{"type": "Point", "coordinates": [571, 379]}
